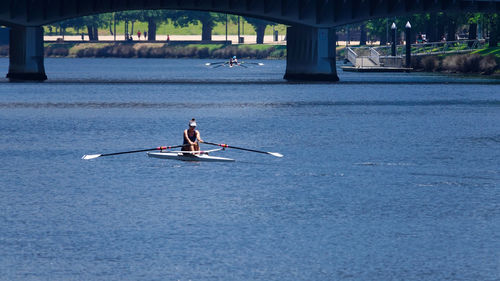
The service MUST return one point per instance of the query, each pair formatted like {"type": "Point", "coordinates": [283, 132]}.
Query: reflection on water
{"type": "Point", "coordinates": [105, 105]}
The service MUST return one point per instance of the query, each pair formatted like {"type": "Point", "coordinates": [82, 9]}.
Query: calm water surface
{"type": "Point", "coordinates": [385, 176]}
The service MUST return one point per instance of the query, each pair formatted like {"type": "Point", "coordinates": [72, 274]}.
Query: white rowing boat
{"type": "Point", "coordinates": [190, 156]}
{"type": "Point", "coordinates": [184, 155]}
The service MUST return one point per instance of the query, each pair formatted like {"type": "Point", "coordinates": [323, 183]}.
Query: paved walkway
{"type": "Point", "coordinates": [249, 39]}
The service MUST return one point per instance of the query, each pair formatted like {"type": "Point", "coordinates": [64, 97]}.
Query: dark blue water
{"type": "Point", "coordinates": [385, 176]}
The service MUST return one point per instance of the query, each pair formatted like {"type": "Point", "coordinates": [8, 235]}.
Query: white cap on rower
{"type": "Point", "coordinates": [192, 124]}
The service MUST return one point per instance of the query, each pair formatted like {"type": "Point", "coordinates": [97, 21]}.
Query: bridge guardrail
{"type": "Point", "coordinates": [435, 48]}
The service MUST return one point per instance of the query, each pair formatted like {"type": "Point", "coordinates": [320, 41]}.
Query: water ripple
{"type": "Point", "coordinates": [107, 105]}
{"type": "Point", "coordinates": [267, 81]}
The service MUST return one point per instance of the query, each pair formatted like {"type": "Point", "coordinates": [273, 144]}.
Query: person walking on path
{"type": "Point", "coordinates": [139, 35]}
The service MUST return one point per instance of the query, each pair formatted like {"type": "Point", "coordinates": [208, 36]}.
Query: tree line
{"type": "Point", "coordinates": [154, 18]}
{"type": "Point", "coordinates": [436, 26]}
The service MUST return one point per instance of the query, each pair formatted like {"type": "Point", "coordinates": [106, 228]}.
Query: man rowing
{"type": "Point", "coordinates": [232, 61]}
{"type": "Point", "coordinates": [191, 138]}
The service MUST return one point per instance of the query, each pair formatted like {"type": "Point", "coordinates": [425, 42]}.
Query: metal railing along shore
{"type": "Point", "coordinates": [366, 57]}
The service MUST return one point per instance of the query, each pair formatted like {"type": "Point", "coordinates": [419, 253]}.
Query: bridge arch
{"type": "Point", "coordinates": [313, 13]}
{"type": "Point", "coordinates": [311, 35]}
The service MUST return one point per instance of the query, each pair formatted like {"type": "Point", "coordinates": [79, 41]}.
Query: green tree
{"type": "Point", "coordinates": [75, 23]}
{"type": "Point", "coordinates": [473, 19]}
{"type": "Point", "coordinates": [126, 17]}
{"type": "Point", "coordinates": [451, 26]}
{"type": "Point", "coordinates": [94, 22]}
{"type": "Point", "coordinates": [156, 17]}
{"type": "Point", "coordinates": [91, 23]}
{"type": "Point", "coordinates": [363, 34]}
{"type": "Point", "coordinates": [207, 20]}
{"type": "Point", "coordinates": [260, 27]}
{"type": "Point", "coordinates": [494, 28]}
{"type": "Point", "coordinates": [378, 28]}
{"type": "Point", "coordinates": [381, 28]}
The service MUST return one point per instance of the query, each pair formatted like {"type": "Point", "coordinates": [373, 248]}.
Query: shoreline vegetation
{"type": "Point", "coordinates": [472, 63]}
{"type": "Point", "coordinates": [160, 50]}
{"type": "Point", "coordinates": [484, 61]}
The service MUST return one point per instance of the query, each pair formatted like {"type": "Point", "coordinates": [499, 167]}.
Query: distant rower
{"type": "Point", "coordinates": [233, 60]}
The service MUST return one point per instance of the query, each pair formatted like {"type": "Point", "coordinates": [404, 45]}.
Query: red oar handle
{"type": "Point", "coordinates": [168, 147]}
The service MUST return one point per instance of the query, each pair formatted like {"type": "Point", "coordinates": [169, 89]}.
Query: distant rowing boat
{"type": "Point", "coordinates": [228, 64]}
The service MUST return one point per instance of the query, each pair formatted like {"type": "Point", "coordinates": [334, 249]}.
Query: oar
{"type": "Point", "coordinates": [276, 154]}
{"type": "Point", "coordinates": [92, 156]}
{"type": "Point", "coordinates": [256, 63]}
{"type": "Point", "coordinates": [214, 63]}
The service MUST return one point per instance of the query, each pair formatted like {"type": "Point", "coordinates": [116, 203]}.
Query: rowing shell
{"type": "Point", "coordinates": [189, 156]}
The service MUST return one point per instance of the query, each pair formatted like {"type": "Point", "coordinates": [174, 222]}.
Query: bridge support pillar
{"type": "Point", "coordinates": [311, 54]}
{"type": "Point", "coordinates": [26, 54]}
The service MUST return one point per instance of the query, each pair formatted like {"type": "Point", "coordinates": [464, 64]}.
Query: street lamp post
{"type": "Point", "coordinates": [393, 47]}
{"type": "Point", "coordinates": [408, 44]}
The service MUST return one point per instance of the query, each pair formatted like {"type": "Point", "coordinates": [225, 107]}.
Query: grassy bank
{"type": "Point", "coordinates": [160, 50]}
{"type": "Point", "coordinates": [494, 51]}
{"type": "Point", "coordinates": [484, 61]}
{"type": "Point", "coordinates": [155, 50]}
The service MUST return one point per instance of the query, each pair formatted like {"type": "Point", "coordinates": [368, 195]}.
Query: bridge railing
{"type": "Point", "coordinates": [462, 46]}
{"type": "Point", "coordinates": [435, 48]}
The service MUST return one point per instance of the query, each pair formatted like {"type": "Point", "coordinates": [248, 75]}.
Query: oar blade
{"type": "Point", "coordinates": [254, 63]}
{"type": "Point", "coordinates": [91, 156]}
{"type": "Point", "coordinates": [276, 154]}
{"type": "Point", "coordinates": [215, 63]}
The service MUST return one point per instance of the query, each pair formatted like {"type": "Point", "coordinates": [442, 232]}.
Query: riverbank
{"type": "Point", "coordinates": [163, 50]}
{"type": "Point", "coordinates": [160, 50]}
{"type": "Point", "coordinates": [485, 61]}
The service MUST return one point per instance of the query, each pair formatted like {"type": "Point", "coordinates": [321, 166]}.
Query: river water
{"type": "Point", "coordinates": [388, 176]}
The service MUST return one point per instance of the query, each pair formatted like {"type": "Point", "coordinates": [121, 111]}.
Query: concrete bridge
{"type": "Point", "coordinates": [310, 37]}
